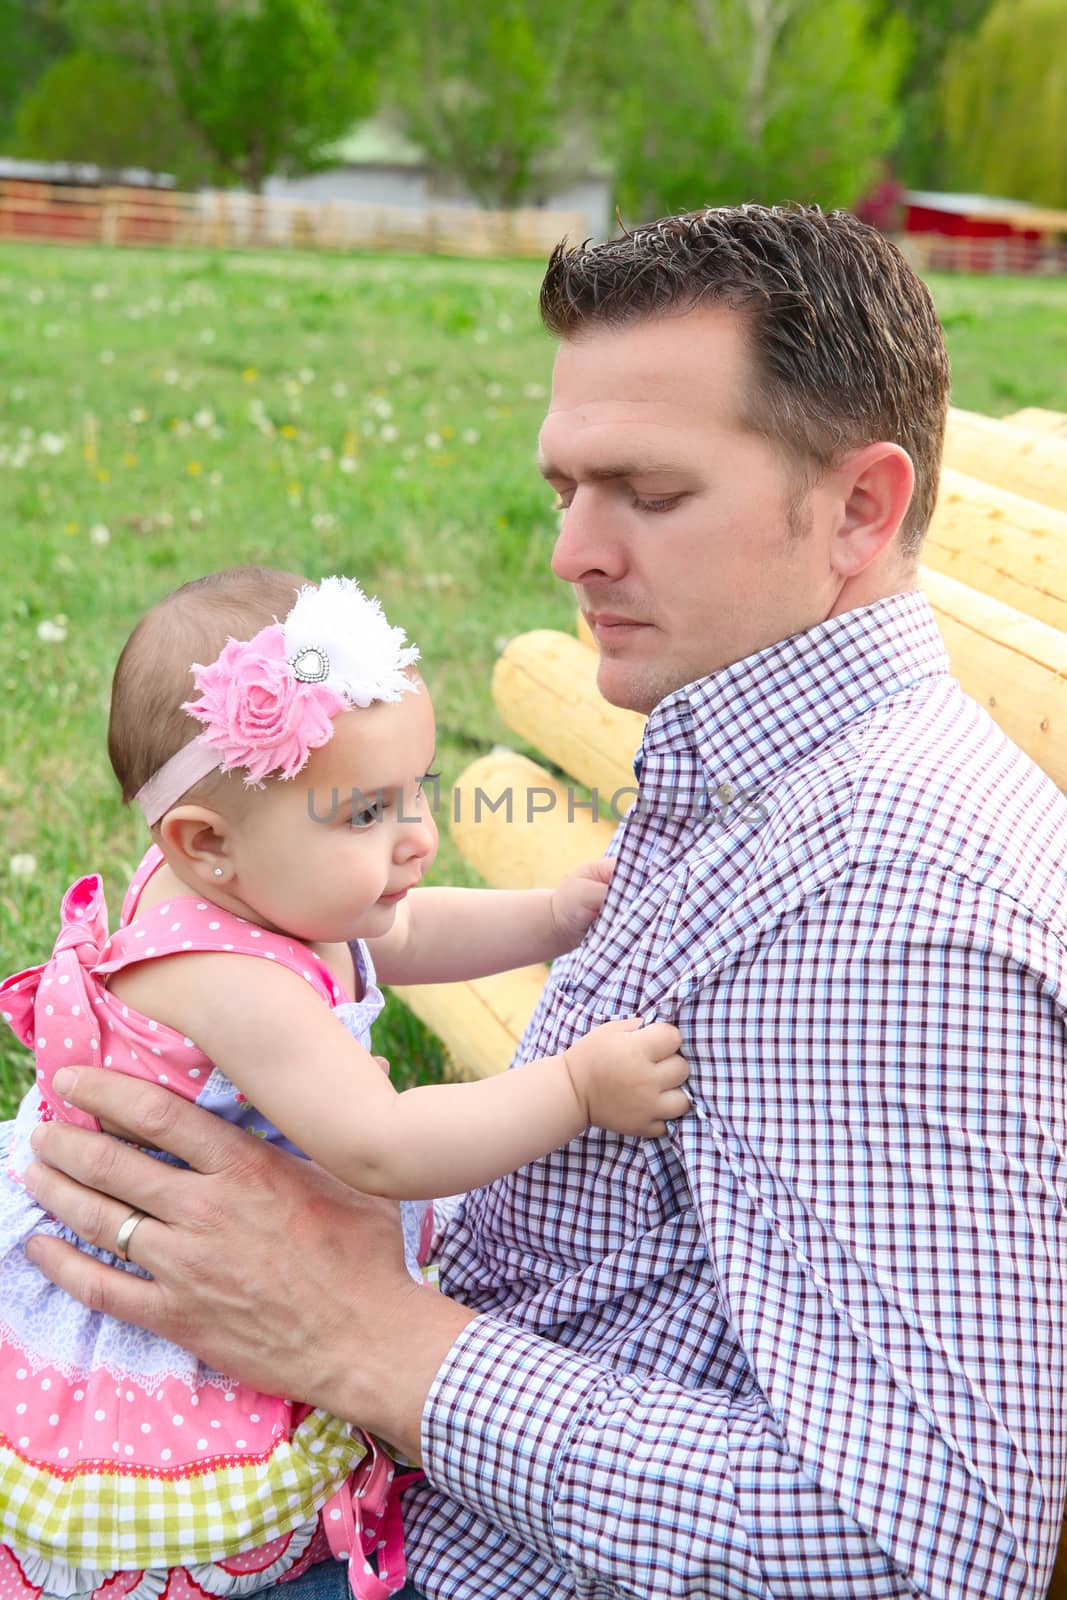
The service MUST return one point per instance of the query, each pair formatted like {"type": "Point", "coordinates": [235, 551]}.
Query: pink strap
{"type": "Point", "coordinates": [166, 787]}
{"type": "Point", "coordinates": [362, 1519]}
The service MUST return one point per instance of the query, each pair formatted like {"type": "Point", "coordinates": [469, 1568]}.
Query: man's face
{"type": "Point", "coordinates": [682, 531]}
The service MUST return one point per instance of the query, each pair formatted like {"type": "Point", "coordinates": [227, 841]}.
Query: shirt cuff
{"type": "Point", "coordinates": [498, 1422]}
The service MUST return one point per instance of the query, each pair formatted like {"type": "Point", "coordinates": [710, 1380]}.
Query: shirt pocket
{"type": "Point", "coordinates": [615, 971]}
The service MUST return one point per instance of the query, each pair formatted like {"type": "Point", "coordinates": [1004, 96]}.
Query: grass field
{"type": "Point", "coordinates": [169, 413]}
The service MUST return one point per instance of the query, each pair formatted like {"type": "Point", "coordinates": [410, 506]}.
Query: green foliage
{"type": "Point", "coordinates": [32, 35]}
{"type": "Point", "coordinates": [1004, 94]}
{"type": "Point", "coordinates": [751, 100]}
{"type": "Point", "coordinates": [261, 87]}
{"type": "Point", "coordinates": [486, 90]}
{"type": "Point", "coordinates": [919, 156]}
{"type": "Point", "coordinates": [63, 119]}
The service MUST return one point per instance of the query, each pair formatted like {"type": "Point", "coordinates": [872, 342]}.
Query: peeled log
{"type": "Point", "coordinates": [1036, 420]}
{"type": "Point", "coordinates": [545, 688]}
{"type": "Point", "coordinates": [479, 1023]}
{"type": "Point", "coordinates": [1010, 663]}
{"type": "Point", "coordinates": [1001, 543]}
{"type": "Point", "coordinates": [540, 832]}
{"type": "Point", "coordinates": [1011, 458]}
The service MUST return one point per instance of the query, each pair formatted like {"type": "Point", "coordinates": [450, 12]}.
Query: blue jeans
{"type": "Point", "coordinates": [328, 1580]}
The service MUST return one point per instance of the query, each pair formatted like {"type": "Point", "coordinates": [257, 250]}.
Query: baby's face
{"type": "Point", "coordinates": [329, 855]}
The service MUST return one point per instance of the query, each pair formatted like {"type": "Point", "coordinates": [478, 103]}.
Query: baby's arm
{"type": "Point", "coordinates": [271, 1034]}
{"type": "Point", "coordinates": [443, 935]}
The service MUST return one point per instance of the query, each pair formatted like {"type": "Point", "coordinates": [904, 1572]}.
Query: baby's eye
{"type": "Point", "coordinates": [366, 818]}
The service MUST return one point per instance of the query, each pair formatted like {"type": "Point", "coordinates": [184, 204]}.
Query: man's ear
{"type": "Point", "coordinates": [875, 484]}
{"type": "Point", "coordinates": [196, 842]}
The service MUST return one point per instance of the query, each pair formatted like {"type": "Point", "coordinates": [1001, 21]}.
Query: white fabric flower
{"type": "Point", "coordinates": [338, 635]}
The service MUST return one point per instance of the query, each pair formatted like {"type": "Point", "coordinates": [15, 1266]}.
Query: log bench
{"type": "Point", "coordinates": [995, 572]}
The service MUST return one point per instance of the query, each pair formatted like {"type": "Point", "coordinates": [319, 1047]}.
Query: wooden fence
{"type": "Point", "coordinates": [934, 252]}
{"type": "Point", "coordinates": [64, 213]}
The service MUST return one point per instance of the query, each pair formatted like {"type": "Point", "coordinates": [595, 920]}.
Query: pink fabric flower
{"type": "Point", "coordinates": [256, 713]}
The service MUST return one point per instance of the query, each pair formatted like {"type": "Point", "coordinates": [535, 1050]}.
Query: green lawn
{"type": "Point", "coordinates": [170, 413]}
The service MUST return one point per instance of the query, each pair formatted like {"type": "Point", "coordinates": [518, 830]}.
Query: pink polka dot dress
{"type": "Point", "coordinates": [127, 1467]}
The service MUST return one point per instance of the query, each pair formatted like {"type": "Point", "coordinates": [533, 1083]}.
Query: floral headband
{"type": "Point", "coordinates": [268, 701]}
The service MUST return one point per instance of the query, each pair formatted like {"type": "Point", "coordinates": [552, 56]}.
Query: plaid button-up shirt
{"type": "Point", "coordinates": [811, 1344]}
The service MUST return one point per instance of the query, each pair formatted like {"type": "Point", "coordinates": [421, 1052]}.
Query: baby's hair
{"type": "Point", "coordinates": [147, 724]}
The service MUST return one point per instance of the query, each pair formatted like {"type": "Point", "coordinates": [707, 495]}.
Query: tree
{"type": "Point", "coordinates": [728, 100]}
{"type": "Point", "coordinates": [936, 25]}
{"type": "Point", "coordinates": [1003, 103]}
{"type": "Point", "coordinates": [486, 89]}
{"type": "Point", "coordinates": [33, 35]}
{"type": "Point", "coordinates": [262, 86]}
{"type": "Point", "coordinates": [60, 120]}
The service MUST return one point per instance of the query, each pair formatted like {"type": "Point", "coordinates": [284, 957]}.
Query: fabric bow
{"type": "Point", "coordinates": [51, 1007]}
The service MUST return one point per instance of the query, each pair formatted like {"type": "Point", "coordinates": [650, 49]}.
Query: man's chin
{"type": "Point", "coordinates": [628, 687]}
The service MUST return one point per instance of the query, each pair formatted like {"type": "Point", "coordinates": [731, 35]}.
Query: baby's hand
{"type": "Point", "coordinates": [627, 1076]}
{"type": "Point", "coordinates": [576, 901]}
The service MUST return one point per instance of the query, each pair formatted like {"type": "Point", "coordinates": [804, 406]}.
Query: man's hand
{"type": "Point", "coordinates": [262, 1264]}
{"type": "Point", "coordinates": [576, 901]}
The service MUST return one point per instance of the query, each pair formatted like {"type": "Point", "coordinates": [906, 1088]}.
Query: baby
{"type": "Point", "coordinates": [281, 775]}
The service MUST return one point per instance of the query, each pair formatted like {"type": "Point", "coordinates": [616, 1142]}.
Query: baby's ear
{"type": "Point", "coordinates": [195, 840]}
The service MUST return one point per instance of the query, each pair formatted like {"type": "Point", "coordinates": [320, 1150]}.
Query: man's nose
{"type": "Point", "coordinates": [587, 545]}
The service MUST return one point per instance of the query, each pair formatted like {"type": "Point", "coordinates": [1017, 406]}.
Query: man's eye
{"type": "Point", "coordinates": [666, 502]}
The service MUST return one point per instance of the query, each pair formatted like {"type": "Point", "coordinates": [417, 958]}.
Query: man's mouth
{"type": "Point", "coordinates": [611, 624]}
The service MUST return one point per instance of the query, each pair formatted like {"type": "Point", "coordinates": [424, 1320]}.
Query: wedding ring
{"type": "Point", "coordinates": [125, 1234]}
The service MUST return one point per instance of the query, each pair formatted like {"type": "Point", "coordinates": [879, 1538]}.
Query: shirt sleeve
{"type": "Point", "coordinates": [876, 1156]}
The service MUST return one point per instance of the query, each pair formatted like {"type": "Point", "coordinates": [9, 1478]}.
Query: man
{"type": "Point", "coordinates": [810, 1345]}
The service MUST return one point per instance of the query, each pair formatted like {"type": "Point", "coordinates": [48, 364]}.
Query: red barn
{"type": "Point", "coordinates": [982, 233]}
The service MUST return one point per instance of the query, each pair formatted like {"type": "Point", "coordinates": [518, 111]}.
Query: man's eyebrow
{"type": "Point", "coordinates": [621, 469]}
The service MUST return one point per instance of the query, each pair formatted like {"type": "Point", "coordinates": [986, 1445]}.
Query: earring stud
{"type": "Point", "coordinates": [217, 871]}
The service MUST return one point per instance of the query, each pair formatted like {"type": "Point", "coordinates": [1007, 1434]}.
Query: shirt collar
{"type": "Point", "coordinates": [765, 713]}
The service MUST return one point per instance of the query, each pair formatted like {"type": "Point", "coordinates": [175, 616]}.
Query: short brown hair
{"type": "Point", "coordinates": [147, 724]}
{"type": "Point", "coordinates": [845, 339]}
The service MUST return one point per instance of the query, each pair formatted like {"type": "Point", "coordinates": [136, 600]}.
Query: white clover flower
{"type": "Point", "coordinates": [493, 391]}
{"type": "Point", "coordinates": [389, 434]}
{"type": "Point", "coordinates": [347, 463]}
{"type": "Point", "coordinates": [51, 631]}
{"type": "Point", "coordinates": [434, 441]}
{"type": "Point", "coordinates": [534, 391]}
{"type": "Point", "coordinates": [52, 443]}
{"type": "Point", "coordinates": [204, 418]}
{"type": "Point", "coordinates": [171, 377]}
{"type": "Point", "coordinates": [381, 407]}
{"type": "Point", "coordinates": [22, 865]}
{"type": "Point", "coordinates": [100, 291]}
{"type": "Point", "coordinates": [138, 415]}
{"type": "Point", "coordinates": [35, 296]}
{"type": "Point", "coordinates": [470, 436]}
{"type": "Point", "coordinates": [339, 390]}
{"type": "Point", "coordinates": [306, 375]}
{"type": "Point", "coordinates": [196, 517]}
{"type": "Point", "coordinates": [324, 453]}
{"type": "Point", "coordinates": [99, 534]}
{"type": "Point", "coordinates": [323, 521]}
